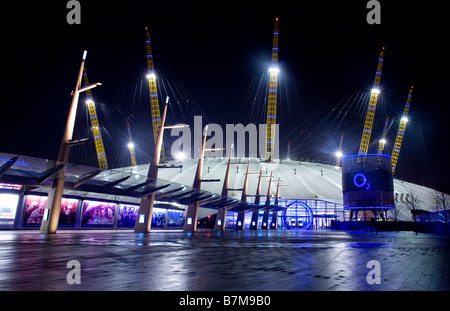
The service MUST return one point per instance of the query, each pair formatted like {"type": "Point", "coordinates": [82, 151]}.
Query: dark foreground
{"type": "Point", "coordinates": [237, 261]}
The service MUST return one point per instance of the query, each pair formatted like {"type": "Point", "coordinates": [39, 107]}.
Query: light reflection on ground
{"type": "Point", "coordinates": [232, 260]}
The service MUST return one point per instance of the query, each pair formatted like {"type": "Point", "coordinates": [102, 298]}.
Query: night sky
{"type": "Point", "coordinates": [212, 57]}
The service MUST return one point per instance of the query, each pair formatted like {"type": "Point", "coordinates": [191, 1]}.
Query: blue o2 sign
{"type": "Point", "coordinates": [360, 180]}
{"type": "Point", "coordinates": [367, 183]}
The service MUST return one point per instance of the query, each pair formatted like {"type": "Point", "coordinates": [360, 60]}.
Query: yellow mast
{"type": "Point", "coordinates": [339, 152]}
{"type": "Point", "coordinates": [288, 156]}
{"type": "Point", "coordinates": [401, 132]}
{"type": "Point", "coordinates": [95, 126]}
{"type": "Point", "coordinates": [272, 97]}
{"type": "Point", "coordinates": [383, 136]}
{"type": "Point", "coordinates": [131, 146]}
{"type": "Point", "coordinates": [368, 124]}
{"type": "Point", "coordinates": [154, 103]}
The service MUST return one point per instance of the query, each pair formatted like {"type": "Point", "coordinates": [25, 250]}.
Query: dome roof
{"type": "Point", "coordinates": [299, 180]}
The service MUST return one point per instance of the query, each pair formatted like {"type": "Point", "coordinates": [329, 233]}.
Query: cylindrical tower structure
{"type": "Point", "coordinates": [367, 184]}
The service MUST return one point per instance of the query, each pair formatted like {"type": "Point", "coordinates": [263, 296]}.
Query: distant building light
{"type": "Point", "coordinates": [130, 145]}
{"type": "Point", "coordinates": [405, 119]}
{"type": "Point", "coordinates": [339, 154]}
{"type": "Point", "coordinates": [151, 75]}
{"type": "Point", "coordinates": [383, 140]}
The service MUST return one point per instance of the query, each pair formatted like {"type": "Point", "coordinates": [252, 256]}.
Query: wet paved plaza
{"type": "Point", "coordinates": [238, 261]}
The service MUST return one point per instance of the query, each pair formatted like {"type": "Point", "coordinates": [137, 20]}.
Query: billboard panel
{"type": "Point", "coordinates": [8, 207]}
{"type": "Point", "coordinates": [98, 214]}
{"type": "Point", "coordinates": [158, 217]}
{"type": "Point", "coordinates": [127, 215]}
{"type": "Point", "coordinates": [35, 206]}
{"type": "Point", "coordinates": [174, 219]}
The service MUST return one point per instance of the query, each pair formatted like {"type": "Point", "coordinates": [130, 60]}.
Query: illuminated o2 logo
{"type": "Point", "coordinates": [362, 183]}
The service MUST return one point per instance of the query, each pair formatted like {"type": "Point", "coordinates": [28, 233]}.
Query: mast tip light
{"type": "Point", "coordinates": [276, 19]}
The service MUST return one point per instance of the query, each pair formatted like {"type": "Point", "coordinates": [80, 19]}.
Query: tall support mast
{"type": "Point", "coordinates": [401, 132]}
{"type": "Point", "coordinates": [53, 206]}
{"type": "Point", "coordinates": [368, 124]}
{"type": "Point", "coordinates": [383, 136]}
{"type": "Point", "coordinates": [221, 213]}
{"type": "Point", "coordinates": [288, 156]}
{"type": "Point", "coordinates": [339, 152]}
{"type": "Point", "coordinates": [190, 224]}
{"type": "Point", "coordinates": [131, 146]}
{"type": "Point", "coordinates": [95, 126]}
{"type": "Point", "coordinates": [265, 220]}
{"type": "Point", "coordinates": [154, 103]}
{"type": "Point", "coordinates": [272, 98]}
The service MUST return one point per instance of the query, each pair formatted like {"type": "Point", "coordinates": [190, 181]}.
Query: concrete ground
{"type": "Point", "coordinates": [284, 260]}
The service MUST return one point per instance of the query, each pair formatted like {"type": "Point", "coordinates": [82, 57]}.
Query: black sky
{"type": "Point", "coordinates": [213, 51]}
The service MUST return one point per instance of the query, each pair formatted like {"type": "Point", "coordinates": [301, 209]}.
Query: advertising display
{"type": "Point", "coordinates": [127, 215]}
{"type": "Point", "coordinates": [10, 186]}
{"type": "Point", "coordinates": [34, 211]}
{"type": "Point", "coordinates": [98, 214]}
{"type": "Point", "coordinates": [158, 217]}
{"type": "Point", "coordinates": [174, 219]}
{"type": "Point", "coordinates": [8, 207]}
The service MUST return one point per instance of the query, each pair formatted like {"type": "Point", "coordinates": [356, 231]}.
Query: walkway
{"type": "Point", "coordinates": [264, 260]}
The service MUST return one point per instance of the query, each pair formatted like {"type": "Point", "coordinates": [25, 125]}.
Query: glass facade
{"type": "Point", "coordinates": [26, 211]}
{"type": "Point", "coordinates": [297, 215]}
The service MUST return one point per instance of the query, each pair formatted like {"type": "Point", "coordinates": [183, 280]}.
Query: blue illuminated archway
{"type": "Point", "coordinates": [297, 213]}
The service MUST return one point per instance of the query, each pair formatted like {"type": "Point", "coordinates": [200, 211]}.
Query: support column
{"type": "Point", "coordinates": [254, 222]}
{"type": "Point", "coordinates": [52, 210]}
{"type": "Point", "coordinates": [274, 224]}
{"type": "Point", "coordinates": [222, 213]}
{"type": "Point", "coordinates": [190, 224]}
{"type": "Point", "coordinates": [144, 221]}
{"type": "Point", "coordinates": [240, 221]}
{"type": "Point", "coordinates": [241, 215]}
{"type": "Point", "coordinates": [265, 220]}
{"type": "Point", "coordinates": [220, 219]}
{"type": "Point", "coordinates": [53, 206]}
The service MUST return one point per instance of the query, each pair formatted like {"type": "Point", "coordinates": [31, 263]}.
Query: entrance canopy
{"type": "Point", "coordinates": [37, 174]}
